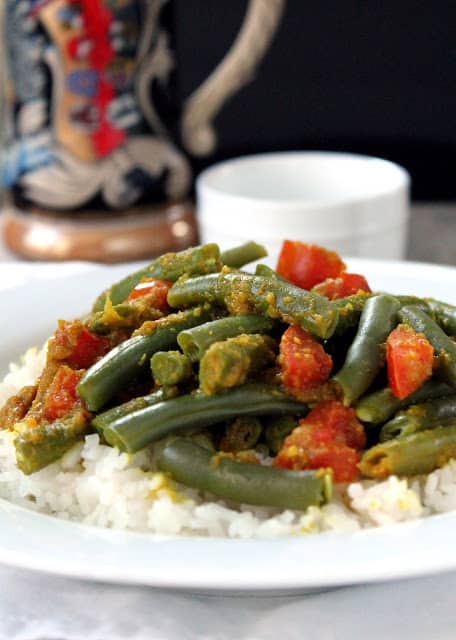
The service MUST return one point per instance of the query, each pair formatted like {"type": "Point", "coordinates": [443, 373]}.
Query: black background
{"type": "Point", "coordinates": [375, 77]}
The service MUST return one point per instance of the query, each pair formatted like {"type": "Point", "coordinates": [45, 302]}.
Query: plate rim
{"type": "Point", "coordinates": [200, 578]}
{"type": "Point", "coordinates": [203, 579]}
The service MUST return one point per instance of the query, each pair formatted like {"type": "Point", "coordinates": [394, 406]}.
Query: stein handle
{"type": "Point", "coordinates": [231, 74]}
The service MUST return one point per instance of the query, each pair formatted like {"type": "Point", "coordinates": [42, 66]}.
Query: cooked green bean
{"type": "Point", "coordinates": [244, 294]}
{"type": "Point", "coordinates": [403, 424]}
{"type": "Point", "coordinates": [415, 301]}
{"type": "Point", "coordinates": [37, 447]}
{"type": "Point", "coordinates": [418, 453]}
{"type": "Point", "coordinates": [444, 314]}
{"type": "Point", "coordinates": [203, 439]}
{"type": "Point", "coordinates": [188, 292]}
{"type": "Point", "coordinates": [230, 362]}
{"type": "Point", "coordinates": [365, 356]}
{"type": "Point", "coordinates": [444, 347]}
{"type": "Point", "coordinates": [239, 256]}
{"type": "Point", "coordinates": [169, 266]}
{"type": "Point", "coordinates": [241, 434]}
{"type": "Point", "coordinates": [350, 309]}
{"type": "Point", "coordinates": [139, 429]}
{"type": "Point", "coordinates": [381, 405]}
{"type": "Point", "coordinates": [194, 342]}
{"type": "Point", "coordinates": [243, 482]}
{"type": "Point", "coordinates": [170, 368]}
{"type": "Point", "coordinates": [122, 316]}
{"type": "Point", "coordinates": [267, 272]}
{"type": "Point", "coordinates": [100, 421]}
{"type": "Point", "coordinates": [419, 417]}
{"type": "Point", "coordinates": [275, 298]}
{"type": "Point", "coordinates": [118, 367]}
{"type": "Point", "coordinates": [276, 429]}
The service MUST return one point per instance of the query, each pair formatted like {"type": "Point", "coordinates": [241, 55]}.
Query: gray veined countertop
{"type": "Point", "coordinates": [432, 234]}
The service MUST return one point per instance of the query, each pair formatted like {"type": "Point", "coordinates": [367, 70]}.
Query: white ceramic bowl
{"type": "Point", "coordinates": [357, 205]}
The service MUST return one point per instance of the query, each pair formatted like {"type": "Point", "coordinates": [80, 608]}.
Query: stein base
{"type": "Point", "coordinates": [136, 234]}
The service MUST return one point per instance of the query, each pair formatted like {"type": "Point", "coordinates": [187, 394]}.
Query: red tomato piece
{"type": "Point", "coordinates": [341, 459]}
{"type": "Point", "coordinates": [409, 359]}
{"type": "Point", "coordinates": [61, 395]}
{"type": "Point", "coordinates": [78, 346]}
{"type": "Point", "coordinates": [88, 348]}
{"type": "Point", "coordinates": [156, 290]}
{"type": "Point", "coordinates": [346, 284]}
{"type": "Point", "coordinates": [332, 421]}
{"type": "Point", "coordinates": [303, 361]}
{"type": "Point", "coordinates": [329, 436]}
{"type": "Point", "coordinates": [305, 265]}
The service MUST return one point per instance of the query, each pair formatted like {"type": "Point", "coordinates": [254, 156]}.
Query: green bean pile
{"type": "Point", "coordinates": [202, 380]}
{"type": "Point", "coordinates": [223, 329]}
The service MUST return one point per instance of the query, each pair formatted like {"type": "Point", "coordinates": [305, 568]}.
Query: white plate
{"type": "Point", "coordinates": [34, 297]}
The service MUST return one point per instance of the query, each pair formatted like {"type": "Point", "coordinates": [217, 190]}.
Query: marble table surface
{"type": "Point", "coordinates": [431, 234]}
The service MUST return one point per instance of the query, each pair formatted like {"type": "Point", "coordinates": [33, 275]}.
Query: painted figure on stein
{"type": "Point", "coordinates": [93, 135]}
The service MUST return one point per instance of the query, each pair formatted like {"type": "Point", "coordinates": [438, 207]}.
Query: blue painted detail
{"type": "Point", "coordinates": [83, 83]}
{"type": "Point", "coordinates": [25, 156]}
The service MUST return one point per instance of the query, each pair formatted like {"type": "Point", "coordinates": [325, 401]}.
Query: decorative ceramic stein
{"type": "Point", "coordinates": [91, 168]}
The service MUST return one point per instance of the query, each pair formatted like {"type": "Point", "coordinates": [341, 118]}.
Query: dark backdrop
{"type": "Point", "coordinates": [376, 77]}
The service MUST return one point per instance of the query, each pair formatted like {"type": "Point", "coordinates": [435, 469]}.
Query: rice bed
{"type": "Point", "coordinates": [96, 485]}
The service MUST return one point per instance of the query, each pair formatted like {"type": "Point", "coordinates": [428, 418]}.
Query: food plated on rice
{"type": "Point", "coordinates": [198, 398]}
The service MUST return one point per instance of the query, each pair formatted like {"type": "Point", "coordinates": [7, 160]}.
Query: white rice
{"type": "Point", "coordinates": [95, 484]}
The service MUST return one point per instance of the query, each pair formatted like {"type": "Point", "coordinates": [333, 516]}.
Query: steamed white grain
{"type": "Point", "coordinates": [96, 485]}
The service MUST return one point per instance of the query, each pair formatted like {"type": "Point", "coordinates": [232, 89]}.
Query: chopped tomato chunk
{"type": "Point", "coordinates": [329, 436]}
{"type": "Point", "coordinates": [78, 346]}
{"type": "Point", "coordinates": [332, 420]}
{"type": "Point", "coordinates": [88, 348]}
{"type": "Point", "coordinates": [305, 265]}
{"type": "Point", "coordinates": [346, 284]}
{"type": "Point", "coordinates": [156, 290]}
{"type": "Point", "coordinates": [341, 459]}
{"type": "Point", "coordinates": [409, 359]}
{"type": "Point", "coordinates": [303, 361]}
{"type": "Point", "coordinates": [61, 396]}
